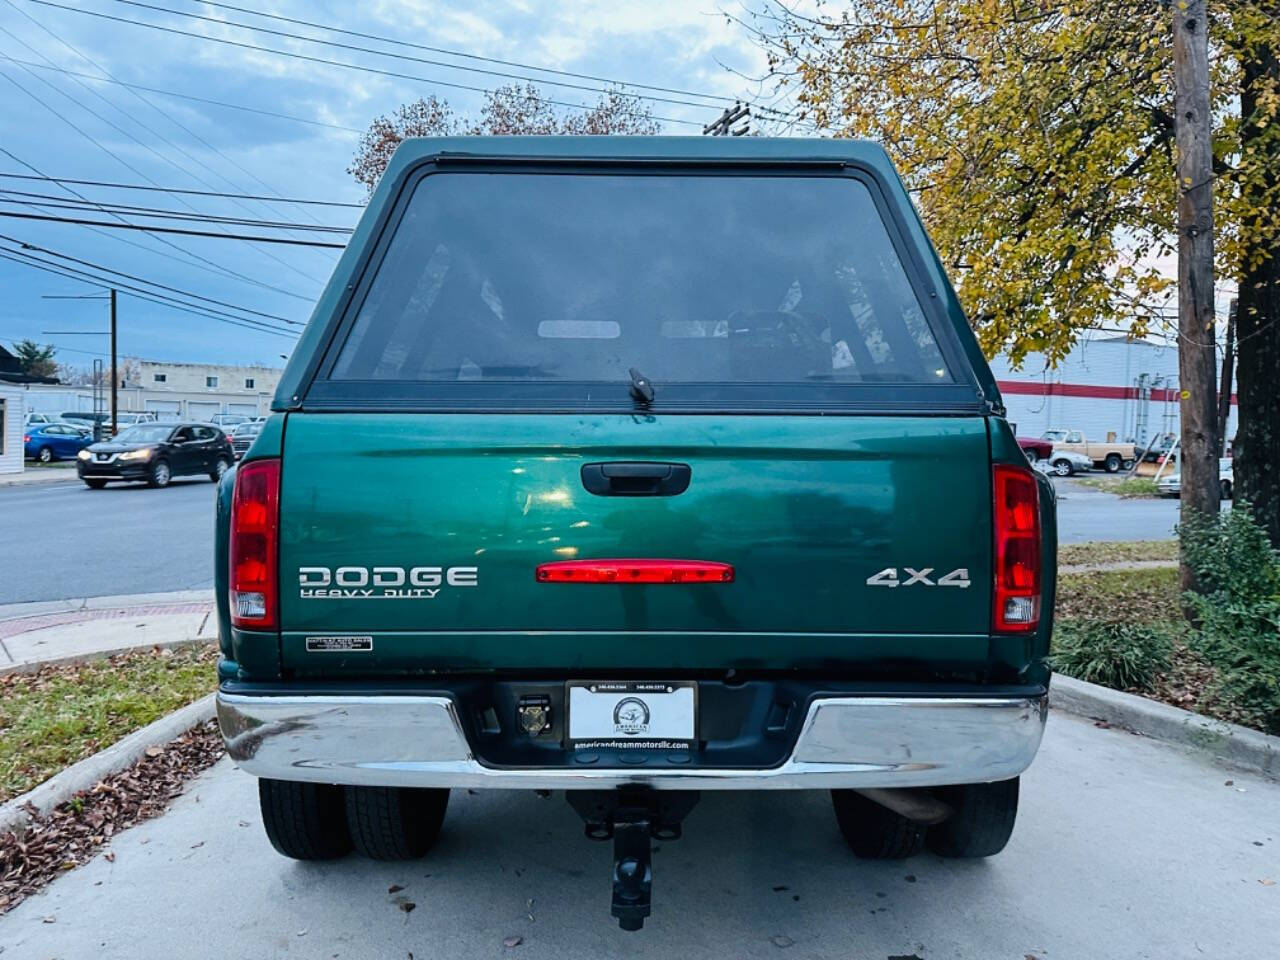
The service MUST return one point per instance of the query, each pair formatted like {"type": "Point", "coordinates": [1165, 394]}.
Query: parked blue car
{"type": "Point", "coordinates": [47, 442]}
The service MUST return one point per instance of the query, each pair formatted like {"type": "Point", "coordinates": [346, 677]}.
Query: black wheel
{"type": "Point", "coordinates": [44, 455]}
{"type": "Point", "coordinates": [1224, 489]}
{"type": "Point", "coordinates": [1030, 454]}
{"type": "Point", "coordinates": [982, 822]}
{"type": "Point", "coordinates": [874, 832]}
{"type": "Point", "coordinates": [1113, 463]}
{"type": "Point", "coordinates": [304, 821]}
{"type": "Point", "coordinates": [395, 823]}
{"type": "Point", "coordinates": [220, 467]}
{"type": "Point", "coordinates": [160, 474]}
{"type": "Point", "coordinates": [94, 484]}
{"type": "Point", "coordinates": [1063, 468]}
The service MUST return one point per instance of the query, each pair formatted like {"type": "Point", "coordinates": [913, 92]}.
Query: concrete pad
{"type": "Point", "coordinates": [84, 639]}
{"type": "Point", "coordinates": [1125, 849]}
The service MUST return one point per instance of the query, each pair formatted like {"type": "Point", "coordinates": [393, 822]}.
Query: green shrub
{"type": "Point", "coordinates": [1114, 653]}
{"type": "Point", "coordinates": [1238, 612]}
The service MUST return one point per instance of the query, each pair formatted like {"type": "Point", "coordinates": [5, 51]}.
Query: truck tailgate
{"type": "Point", "coordinates": [409, 543]}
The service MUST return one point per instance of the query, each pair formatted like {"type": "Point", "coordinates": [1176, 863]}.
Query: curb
{"type": "Point", "coordinates": [36, 608]}
{"type": "Point", "coordinates": [83, 775]}
{"type": "Point", "coordinates": [1235, 745]}
{"type": "Point", "coordinates": [33, 666]}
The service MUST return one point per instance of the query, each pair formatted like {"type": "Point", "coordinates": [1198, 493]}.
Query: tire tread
{"type": "Point", "coordinates": [394, 823]}
{"type": "Point", "coordinates": [874, 832]}
{"type": "Point", "coordinates": [304, 821]}
{"type": "Point", "coordinates": [982, 822]}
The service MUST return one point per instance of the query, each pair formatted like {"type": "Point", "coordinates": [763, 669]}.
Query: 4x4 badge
{"type": "Point", "coordinates": [888, 577]}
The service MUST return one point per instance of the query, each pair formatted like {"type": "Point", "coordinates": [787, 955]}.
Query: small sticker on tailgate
{"type": "Point", "coordinates": [346, 644]}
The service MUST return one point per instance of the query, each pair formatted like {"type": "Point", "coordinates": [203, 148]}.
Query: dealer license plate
{"type": "Point", "coordinates": [632, 715]}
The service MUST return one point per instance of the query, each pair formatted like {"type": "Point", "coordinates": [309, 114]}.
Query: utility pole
{"type": "Point", "coordinates": [115, 373]}
{"type": "Point", "coordinates": [723, 125]}
{"type": "Point", "coordinates": [1197, 346]}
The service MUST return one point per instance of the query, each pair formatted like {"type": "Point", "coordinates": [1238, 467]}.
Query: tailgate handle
{"type": "Point", "coordinates": [636, 478]}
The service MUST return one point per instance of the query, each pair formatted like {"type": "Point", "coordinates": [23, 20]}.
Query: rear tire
{"type": "Point", "coordinates": [220, 466]}
{"type": "Point", "coordinates": [1113, 463]}
{"type": "Point", "coordinates": [874, 832]}
{"type": "Point", "coordinates": [95, 484]}
{"type": "Point", "coordinates": [982, 822]}
{"type": "Point", "coordinates": [304, 821]}
{"type": "Point", "coordinates": [395, 823]}
{"type": "Point", "coordinates": [1031, 455]}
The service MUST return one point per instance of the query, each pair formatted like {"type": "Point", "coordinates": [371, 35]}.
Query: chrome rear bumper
{"type": "Point", "coordinates": [417, 741]}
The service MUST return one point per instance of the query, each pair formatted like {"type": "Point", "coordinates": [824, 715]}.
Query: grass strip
{"type": "Point", "coordinates": [60, 715]}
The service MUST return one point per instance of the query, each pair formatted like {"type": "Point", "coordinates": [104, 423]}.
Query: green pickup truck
{"type": "Point", "coordinates": [636, 467]}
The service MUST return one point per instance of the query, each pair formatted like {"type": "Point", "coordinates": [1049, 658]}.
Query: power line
{"type": "Point", "coordinates": [226, 271]}
{"type": "Point", "coordinates": [172, 119]}
{"type": "Point", "coordinates": [142, 291]}
{"type": "Point", "coordinates": [147, 228]}
{"type": "Point", "coordinates": [453, 53]}
{"type": "Point", "coordinates": [151, 283]}
{"type": "Point", "coordinates": [47, 201]}
{"type": "Point", "coordinates": [113, 185]}
{"type": "Point", "coordinates": [355, 48]}
{"type": "Point", "coordinates": [321, 60]}
{"type": "Point", "coordinates": [127, 133]}
{"type": "Point", "coordinates": [38, 264]}
{"type": "Point", "coordinates": [182, 96]}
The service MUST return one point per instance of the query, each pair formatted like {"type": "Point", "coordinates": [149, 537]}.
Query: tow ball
{"type": "Point", "coordinates": [632, 817]}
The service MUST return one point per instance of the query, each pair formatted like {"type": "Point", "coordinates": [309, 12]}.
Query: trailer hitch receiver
{"type": "Point", "coordinates": [632, 817]}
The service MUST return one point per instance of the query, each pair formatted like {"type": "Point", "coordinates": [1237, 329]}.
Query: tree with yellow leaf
{"type": "Point", "coordinates": [1037, 137]}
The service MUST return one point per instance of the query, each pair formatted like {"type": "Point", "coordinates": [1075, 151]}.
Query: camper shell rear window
{"type": "Point", "coordinates": [545, 287]}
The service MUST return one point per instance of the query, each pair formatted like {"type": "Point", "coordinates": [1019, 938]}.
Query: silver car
{"type": "Point", "coordinates": [1171, 485]}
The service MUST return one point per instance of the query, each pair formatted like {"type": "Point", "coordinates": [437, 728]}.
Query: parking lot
{"type": "Point", "coordinates": [1125, 848]}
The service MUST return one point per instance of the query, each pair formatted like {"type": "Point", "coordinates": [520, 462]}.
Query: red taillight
{"type": "Point", "coordinates": [26, 438]}
{"type": "Point", "coordinates": [635, 571]}
{"type": "Point", "coordinates": [1017, 550]}
{"type": "Point", "coordinates": [255, 521]}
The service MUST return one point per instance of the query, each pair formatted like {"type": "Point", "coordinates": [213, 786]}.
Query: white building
{"type": "Point", "coordinates": [172, 391]}
{"type": "Point", "coordinates": [1109, 384]}
{"type": "Point", "coordinates": [12, 419]}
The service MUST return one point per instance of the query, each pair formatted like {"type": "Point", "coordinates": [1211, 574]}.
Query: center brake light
{"type": "Point", "coordinates": [1017, 550]}
{"type": "Point", "coordinates": [634, 571]}
{"type": "Point", "coordinates": [255, 527]}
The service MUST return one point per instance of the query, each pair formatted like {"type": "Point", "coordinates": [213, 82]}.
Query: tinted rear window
{"type": "Point", "coordinates": [690, 279]}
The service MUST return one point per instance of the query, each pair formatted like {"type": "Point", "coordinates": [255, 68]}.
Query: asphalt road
{"type": "Point", "coordinates": [1086, 514]}
{"type": "Point", "coordinates": [1124, 849]}
{"type": "Point", "coordinates": [63, 540]}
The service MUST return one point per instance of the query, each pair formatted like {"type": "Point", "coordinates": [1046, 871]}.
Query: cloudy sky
{"type": "Point", "coordinates": [102, 98]}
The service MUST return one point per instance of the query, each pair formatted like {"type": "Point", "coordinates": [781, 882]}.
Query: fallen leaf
{"type": "Point", "coordinates": [778, 940]}
{"type": "Point", "coordinates": [199, 844]}
{"type": "Point", "coordinates": [244, 823]}
{"type": "Point", "coordinates": [394, 888]}
{"type": "Point", "coordinates": [51, 919]}
{"type": "Point", "coordinates": [512, 942]}
{"type": "Point", "coordinates": [1267, 882]}
{"type": "Point", "coordinates": [154, 751]}
{"type": "Point", "coordinates": [408, 906]}
{"type": "Point", "coordinates": [1228, 783]}
{"type": "Point", "coordinates": [780, 888]}
{"type": "Point", "coordinates": [910, 878]}
{"type": "Point", "coordinates": [302, 933]}
{"type": "Point", "coordinates": [109, 856]}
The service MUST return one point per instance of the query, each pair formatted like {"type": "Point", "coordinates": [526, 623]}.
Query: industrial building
{"type": "Point", "coordinates": [1108, 385]}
